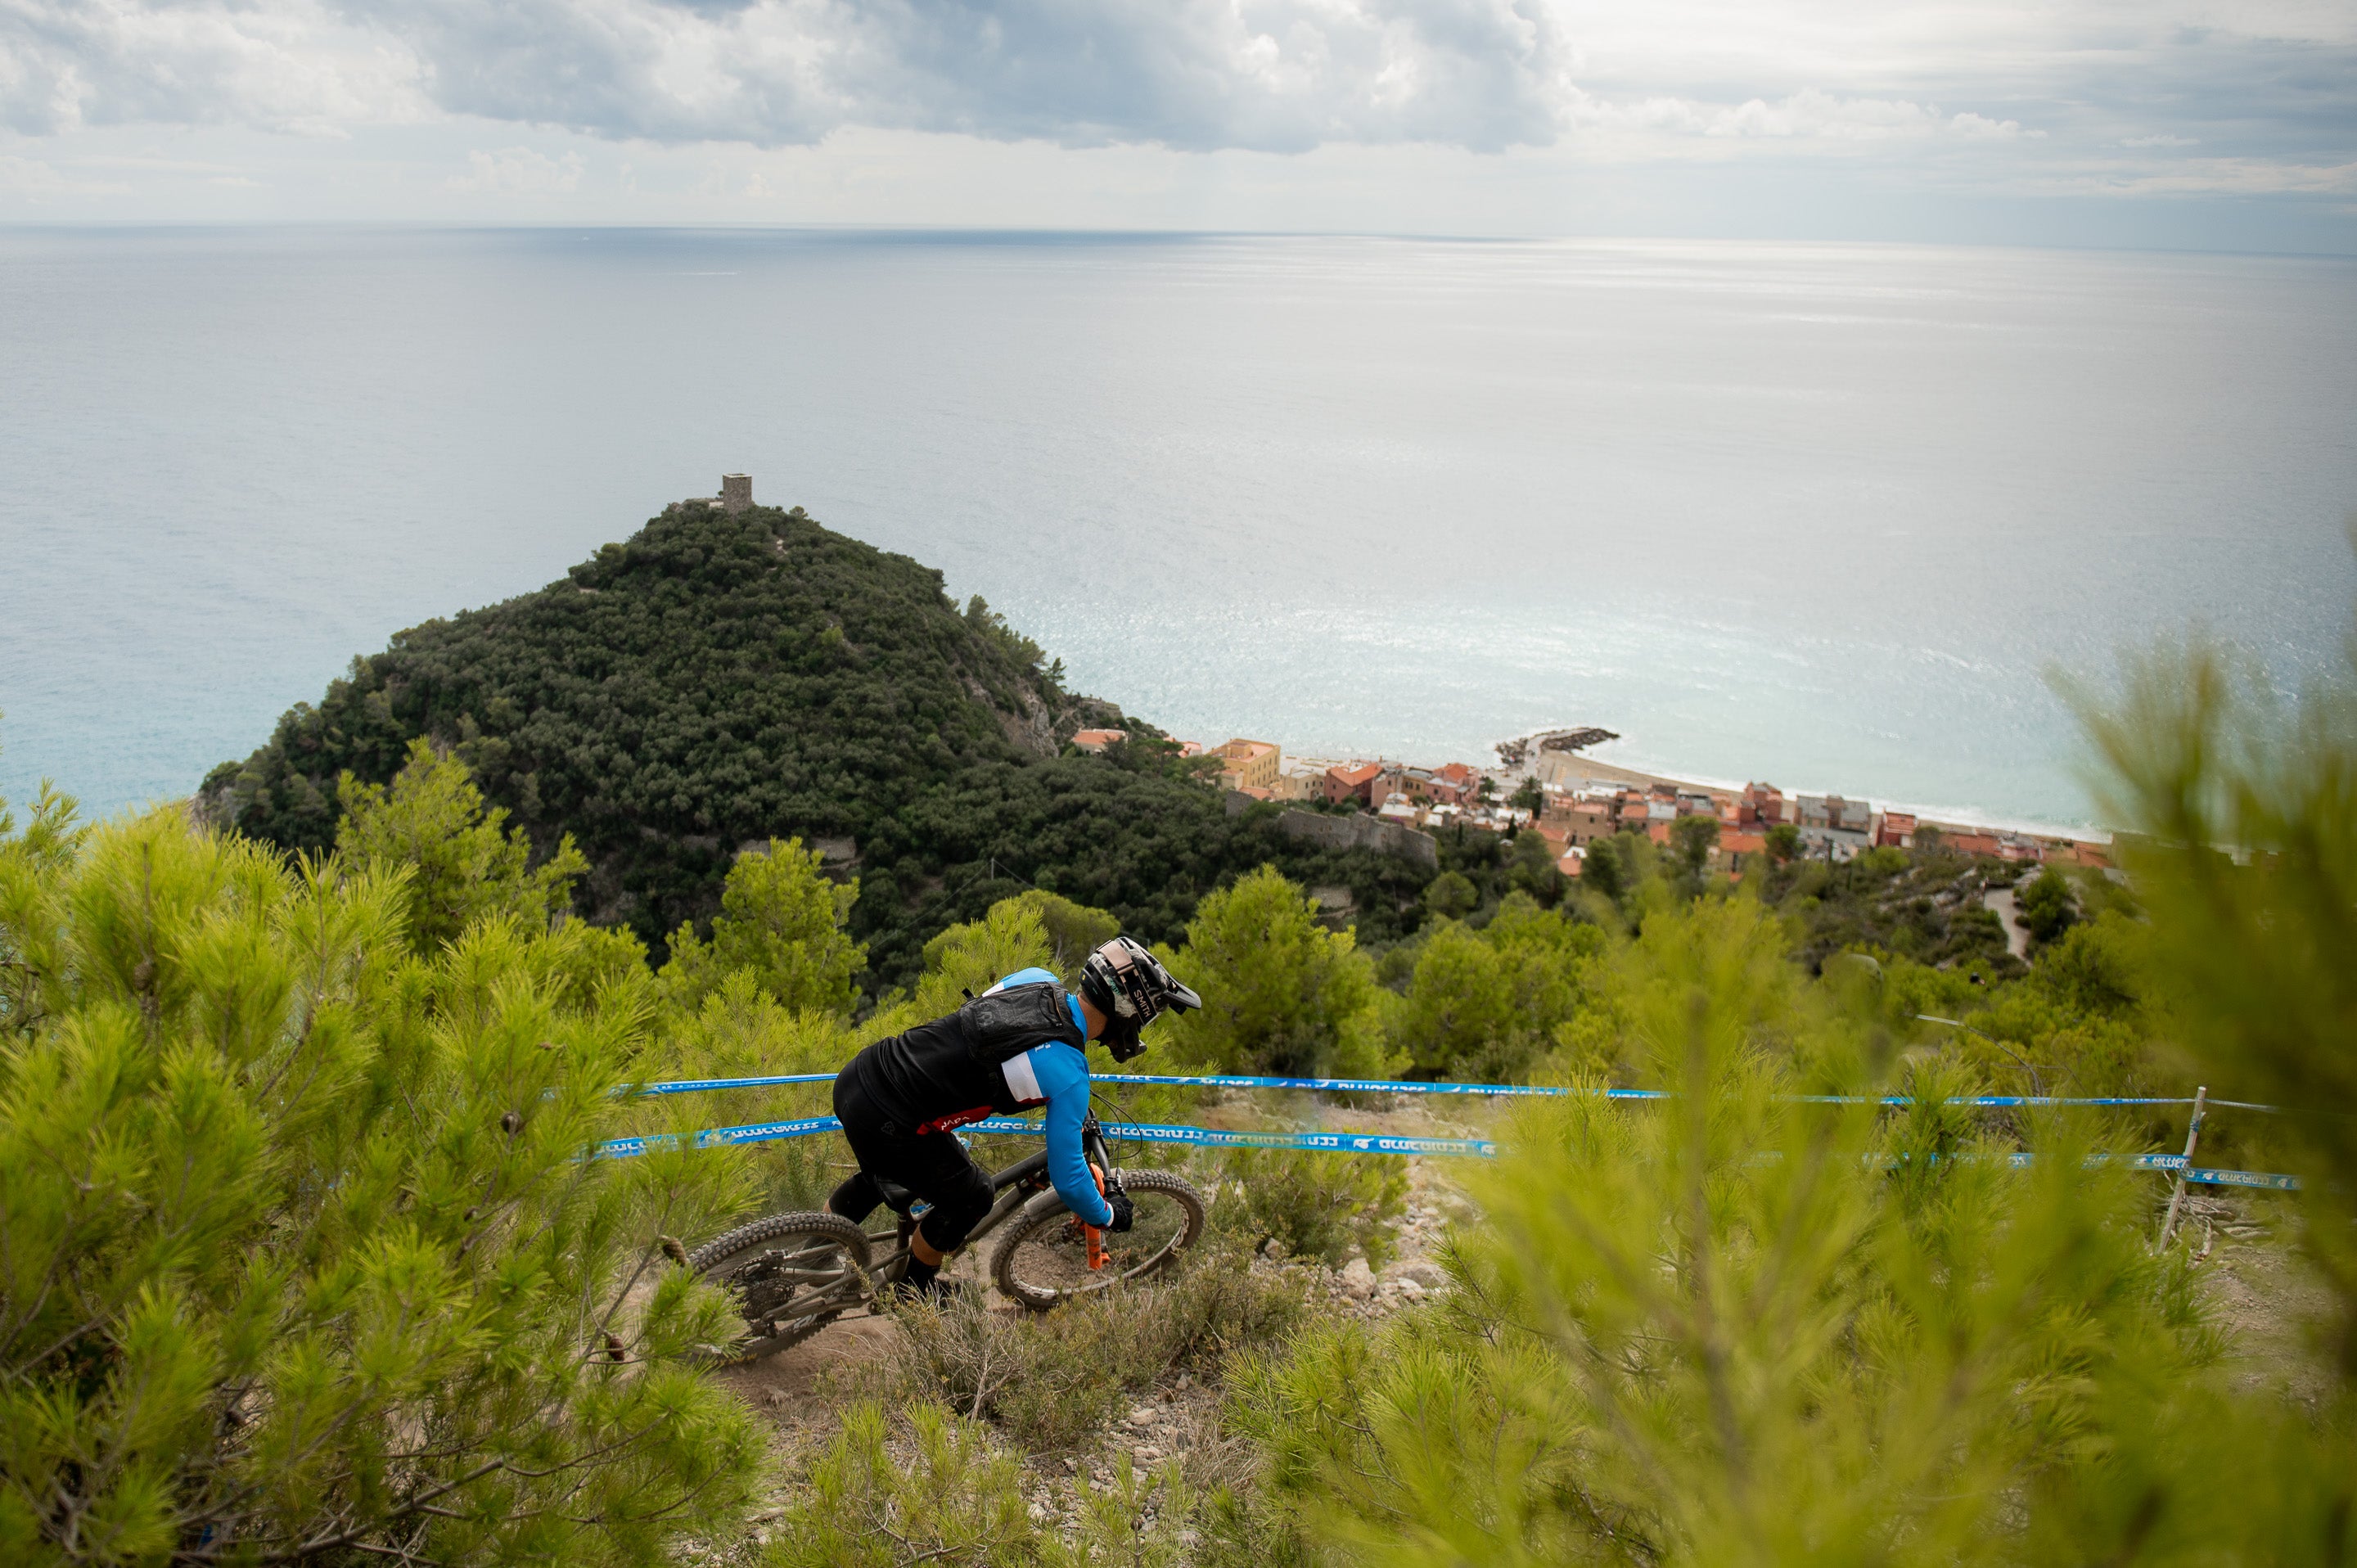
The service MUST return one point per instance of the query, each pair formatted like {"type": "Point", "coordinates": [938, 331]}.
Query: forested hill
{"type": "Point", "coordinates": [720, 680]}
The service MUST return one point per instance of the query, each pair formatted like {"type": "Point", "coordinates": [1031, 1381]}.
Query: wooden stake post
{"type": "Point", "coordinates": [2177, 1193]}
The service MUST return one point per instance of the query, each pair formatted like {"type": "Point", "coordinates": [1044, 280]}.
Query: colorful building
{"type": "Point", "coordinates": [1249, 764]}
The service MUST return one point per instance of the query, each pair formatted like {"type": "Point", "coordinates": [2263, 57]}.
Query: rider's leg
{"type": "Point", "coordinates": [933, 1166]}
{"type": "Point", "coordinates": [856, 1200]}
{"type": "Point", "coordinates": [945, 1175]}
{"type": "Point", "coordinates": [937, 1168]}
{"type": "Point", "coordinates": [869, 1133]}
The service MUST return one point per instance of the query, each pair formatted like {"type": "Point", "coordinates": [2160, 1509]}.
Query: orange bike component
{"type": "Point", "coordinates": [1094, 1234]}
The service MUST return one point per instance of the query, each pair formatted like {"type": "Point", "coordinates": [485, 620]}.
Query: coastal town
{"type": "Point", "coordinates": [1541, 783]}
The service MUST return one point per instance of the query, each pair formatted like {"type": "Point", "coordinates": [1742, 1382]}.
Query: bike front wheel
{"type": "Point", "coordinates": [1043, 1261]}
{"type": "Point", "coordinates": [792, 1274]}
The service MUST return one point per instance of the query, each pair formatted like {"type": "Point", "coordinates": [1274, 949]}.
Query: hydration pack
{"type": "Point", "coordinates": [1000, 1026]}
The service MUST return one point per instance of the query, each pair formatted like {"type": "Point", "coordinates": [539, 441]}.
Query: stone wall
{"type": "Point", "coordinates": [1353, 831]}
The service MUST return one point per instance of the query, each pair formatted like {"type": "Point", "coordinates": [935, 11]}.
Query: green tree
{"type": "Point", "coordinates": [1482, 1006]}
{"type": "Point", "coordinates": [432, 823]}
{"type": "Point", "coordinates": [2047, 908]}
{"type": "Point", "coordinates": [1617, 870]}
{"type": "Point", "coordinates": [1459, 1002]}
{"type": "Point", "coordinates": [1783, 842]}
{"type": "Point", "coordinates": [1530, 865]}
{"type": "Point", "coordinates": [1073, 930]}
{"type": "Point", "coordinates": [1282, 994]}
{"type": "Point", "coordinates": [1451, 895]}
{"type": "Point", "coordinates": [304, 1261]}
{"type": "Point", "coordinates": [782, 920]}
{"type": "Point", "coordinates": [969, 959]}
{"type": "Point", "coordinates": [1692, 840]}
{"type": "Point", "coordinates": [1527, 796]}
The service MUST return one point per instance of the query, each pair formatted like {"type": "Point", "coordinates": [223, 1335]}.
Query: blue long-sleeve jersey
{"type": "Point", "coordinates": [1058, 1074]}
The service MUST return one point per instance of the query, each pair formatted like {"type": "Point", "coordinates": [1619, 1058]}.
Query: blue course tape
{"type": "Point", "coordinates": [704, 1085]}
{"type": "Point", "coordinates": [1221, 1138]}
{"type": "Point", "coordinates": [2244, 1179]}
{"type": "Point", "coordinates": [720, 1137]}
{"type": "Point", "coordinates": [1368, 1085]}
{"type": "Point", "coordinates": [1327, 1142]}
{"type": "Point", "coordinates": [1411, 1086]}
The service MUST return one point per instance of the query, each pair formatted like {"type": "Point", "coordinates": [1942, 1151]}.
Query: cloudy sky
{"type": "Point", "coordinates": [2179, 122]}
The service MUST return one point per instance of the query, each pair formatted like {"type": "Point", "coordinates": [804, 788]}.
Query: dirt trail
{"type": "Point", "coordinates": [801, 1390]}
{"type": "Point", "coordinates": [2265, 1295]}
{"type": "Point", "coordinates": [2262, 1294]}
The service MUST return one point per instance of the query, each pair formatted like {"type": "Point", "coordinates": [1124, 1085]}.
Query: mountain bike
{"type": "Point", "coordinates": [792, 1274]}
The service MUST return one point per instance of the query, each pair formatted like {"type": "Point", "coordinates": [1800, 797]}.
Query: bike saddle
{"type": "Point", "coordinates": [896, 1198]}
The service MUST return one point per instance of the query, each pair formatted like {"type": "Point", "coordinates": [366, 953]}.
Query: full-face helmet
{"type": "Point", "coordinates": [1130, 987]}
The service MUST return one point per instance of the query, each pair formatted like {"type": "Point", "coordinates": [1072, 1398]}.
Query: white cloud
{"type": "Point", "coordinates": [2014, 95]}
{"type": "Point", "coordinates": [286, 64]}
{"type": "Point", "coordinates": [1270, 74]}
{"type": "Point", "coordinates": [518, 171]}
{"type": "Point", "coordinates": [1980, 127]}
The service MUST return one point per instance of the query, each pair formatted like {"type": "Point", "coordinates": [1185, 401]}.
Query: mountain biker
{"type": "Point", "coordinates": [1021, 1042]}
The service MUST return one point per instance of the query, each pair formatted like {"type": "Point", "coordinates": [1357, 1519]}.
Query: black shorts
{"type": "Point", "coordinates": [933, 1166]}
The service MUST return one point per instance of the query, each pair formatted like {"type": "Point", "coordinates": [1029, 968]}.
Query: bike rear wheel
{"type": "Point", "coordinates": [1042, 1262]}
{"type": "Point", "coordinates": [792, 1274]}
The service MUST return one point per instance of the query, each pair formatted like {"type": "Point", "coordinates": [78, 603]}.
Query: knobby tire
{"type": "Point", "coordinates": [748, 1250]}
{"type": "Point", "coordinates": [1038, 1223]}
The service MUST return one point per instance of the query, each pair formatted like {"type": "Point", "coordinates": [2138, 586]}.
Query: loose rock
{"type": "Point", "coordinates": [1426, 1275]}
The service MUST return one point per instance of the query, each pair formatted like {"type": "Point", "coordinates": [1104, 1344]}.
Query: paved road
{"type": "Point", "coordinates": [2000, 899]}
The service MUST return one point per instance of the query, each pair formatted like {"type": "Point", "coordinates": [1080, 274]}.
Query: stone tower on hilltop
{"type": "Point", "coordinates": [736, 492]}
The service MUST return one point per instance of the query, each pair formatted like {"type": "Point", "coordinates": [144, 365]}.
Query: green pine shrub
{"type": "Point", "coordinates": [782, 921]}
{"type": "Point", "coordinates": [2244, 855]}
{"type": "Point", "coordinates": [300, 1257]}
{"type": "Point", "coordinates": [461, 867]}
{"type": "Point", "coordinates": [931, 1486]}
{"type": "Point", "coordinates": [1313, 1203]}
{"type": "Point", "coordinates": [1482, 1007]}
{"type": "Point", "coordinates": [1735, 1327]}
{"type": "Point", "coordinates": [950, 1496]}
{"type": "Point", "coordinates": [1283, 996]}
{"type": "Point", "coordinates": [742, 1031]}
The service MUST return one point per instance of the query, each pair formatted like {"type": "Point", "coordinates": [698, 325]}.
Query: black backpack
{"type": "Point", "coordinates": [1000, 1026]}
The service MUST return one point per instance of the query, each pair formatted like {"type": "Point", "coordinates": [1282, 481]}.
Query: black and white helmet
{"type": "Point", "coordinates": [1129, 986]}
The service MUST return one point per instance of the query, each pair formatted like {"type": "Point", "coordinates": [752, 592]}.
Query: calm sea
{"type": "Point", "coordinates": [1818, 514]}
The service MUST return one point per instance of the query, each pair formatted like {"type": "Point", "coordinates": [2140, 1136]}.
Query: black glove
{"type": "Point", "coordinates": [1123, 1211]}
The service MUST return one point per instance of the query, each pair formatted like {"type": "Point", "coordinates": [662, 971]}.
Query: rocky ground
{"type": "Point", "coordinates": [2262, 1292]}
